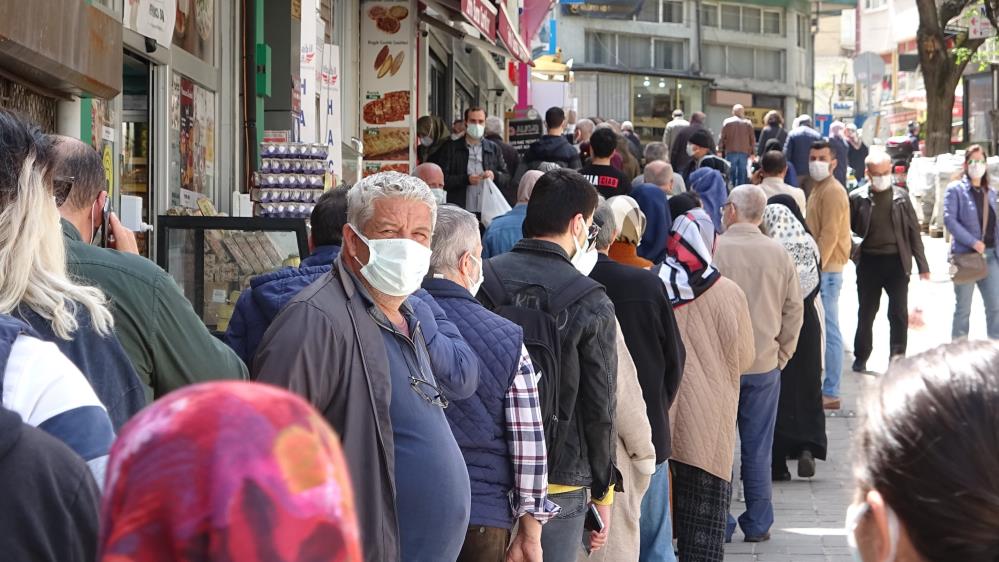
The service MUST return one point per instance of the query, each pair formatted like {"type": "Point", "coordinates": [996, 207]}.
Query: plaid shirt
{"type": "Point", "coordinates": [526, 437]}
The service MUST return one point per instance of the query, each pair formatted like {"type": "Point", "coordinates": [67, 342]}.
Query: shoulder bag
{"type": "Point", "coordinates": [971, 267]}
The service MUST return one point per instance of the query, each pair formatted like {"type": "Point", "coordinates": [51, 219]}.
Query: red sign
{"type": "Point", "coordinates": [482, 15]}
{"type": "Point", "coordinates": [511, 38]}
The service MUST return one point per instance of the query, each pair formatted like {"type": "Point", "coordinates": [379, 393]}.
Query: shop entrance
{"type": "Point", "coordinates": [136, 139]}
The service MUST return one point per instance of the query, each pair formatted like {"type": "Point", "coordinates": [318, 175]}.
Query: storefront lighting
{"type": "Point", "coordinates": [646, 83]}
{"type": "Point", "coordinates": [679, 86]}
{"type": "Point", "coordinates": [662, 83]}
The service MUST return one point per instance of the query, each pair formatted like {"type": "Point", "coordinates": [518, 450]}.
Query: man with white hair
{"type": "Point", "coordinates": [584, 130]}
{"type": "Point", "coordinates": [499, 428]}
{"type": "Point", "coordinates": [660, 174]}
{"type": "Point", "coordinates": [882, 215]}
{"type": "Point", "coordinates": [673, 127]}
{"type": "Point", "coordinates": [628, 131]}
{"type": "Point", "coordinates": [351, 345]}
{"type": "Point", "coordinates": [763, 269]}
{"type": "Point", "coordinates": [737, 143]}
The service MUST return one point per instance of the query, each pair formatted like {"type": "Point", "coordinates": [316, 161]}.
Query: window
{"type": "Point", "coordinates": [751, 19]}
{"type": "Point", "coordinates": [714, 58]}
{"type": "Point", "coordinates": [804, 30]}
{"type": "Point", "coordinates": [743, 62]}
{"type": "Point", "coordinates": [709, 15]}
{"type": "Point", "coordinates": [668, 54]}
{"type": "Point", "coordinates": [672, 11]}
{"type": "Point", "coordinates": [730, 16]}
{"type": "Point", "coordinates": [649, 11]}
{"type": "Point", "coordinates": [772, 23]}
{"type": "Point", "coordinates": [769, 65]}
{"type": "Point", "coordinates": [599, 48]}
{"type": "Point", "coordinates": [740, 62]}
{"type": "Point", "coordinates": [634, 51]}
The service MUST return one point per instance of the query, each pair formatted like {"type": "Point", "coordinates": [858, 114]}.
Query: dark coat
{"type": "Point", "coordinates": [678, 151]}
{"type": "Point", "coordinates": [903, 221]}
{"type": "Point", "coordinates": [533, 271]}
{"type": "Point", "coordinates": [512, 160]}
{"type": "Point", "coordinates": [552, 149]}
{"type": "Point", "coordinates": [453, 160]}
{"type": "Point", "coordinates": [653, 339]}
{"type": "Point", "coordinates": [770, 132]}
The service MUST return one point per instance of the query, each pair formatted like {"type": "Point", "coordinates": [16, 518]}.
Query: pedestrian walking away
{"type": "Point", "coordinates": [773, 130]}
{"type": "Point", "coordinates": [970, 207]}
{"type": "Point", "coordinates": [797, 149]}
{"type": "Point", "coordinates": [736, 144]}
{"type": "Point", "coordinates": [883, 218]}
{"type": "Point", "coordinates": [764, 269]}
{"type": "Point", "coordinates": [829, 222]}
{"type": "Point", "coordinates": [673, 128]}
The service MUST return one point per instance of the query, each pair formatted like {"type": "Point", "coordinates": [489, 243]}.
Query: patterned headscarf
{"type": "Point", "coordinates": [228, 471]}
{"type": "Point", "coordinates": [687, 271]}
{"type": "Point", "coordinates": [629, 218]}
{"type": "Point", "coordinates": [780, 224]}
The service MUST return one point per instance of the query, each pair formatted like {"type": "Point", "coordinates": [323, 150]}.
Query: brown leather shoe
{"type": "Point", "coordinates": [831, 403]}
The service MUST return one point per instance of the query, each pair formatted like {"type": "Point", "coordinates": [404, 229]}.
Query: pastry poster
{"type": "Point", "coordinates": [387, 74]}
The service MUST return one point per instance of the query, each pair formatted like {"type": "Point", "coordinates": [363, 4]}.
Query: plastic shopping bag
{"type": "Point", "coordinates": [493, 202]}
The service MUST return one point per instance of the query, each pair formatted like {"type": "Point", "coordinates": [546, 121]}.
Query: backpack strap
{"type": "Point", "coordinates": [492, 286]}
{"type": "Point", "coordinates": [571, 293]}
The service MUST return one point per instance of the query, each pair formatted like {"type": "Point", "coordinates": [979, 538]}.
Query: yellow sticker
{"type": "Point", "coordinates": [108, 168]}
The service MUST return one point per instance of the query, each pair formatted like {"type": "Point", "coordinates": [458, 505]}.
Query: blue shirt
{"type": "Point", "coordinates": [433, 495]}
{"type": "Point", "coordinates": [504, 232]}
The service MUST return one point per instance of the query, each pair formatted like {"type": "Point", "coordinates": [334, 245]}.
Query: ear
{"type": "Point", "coordinates": [98, 209]}
{"type": "Point", "coordinates": [879, 515]}
{"type": "Point", "coordinates": [352, 245]}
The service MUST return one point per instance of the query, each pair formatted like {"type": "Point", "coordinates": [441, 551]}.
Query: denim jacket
{"type": "Point", "coordinates": [963, 219]}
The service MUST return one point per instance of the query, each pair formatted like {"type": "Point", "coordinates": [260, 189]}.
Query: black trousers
{"type": "Point", "coordinates": [874, 274]}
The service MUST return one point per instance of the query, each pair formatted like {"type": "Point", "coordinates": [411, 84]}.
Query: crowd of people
{"type": "Point", "coordinates": [564, 384]}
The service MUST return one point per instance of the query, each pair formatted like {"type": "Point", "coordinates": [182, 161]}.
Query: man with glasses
{"type": "Point", "coordinates": [882, 215]}
{"type": "Point", "coordinates": [351, 344]}
{"type": "Point", "coordinates": [499, 429]}
{"type": "Point", "coordinates": [557, 250]}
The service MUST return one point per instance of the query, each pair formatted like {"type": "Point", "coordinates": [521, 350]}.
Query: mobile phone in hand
{"type": "Point", "coordinates": [593, 523]}
{"type": "Point", "coordinates": [106, 223]}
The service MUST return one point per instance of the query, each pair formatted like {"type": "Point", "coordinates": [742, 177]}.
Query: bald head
{"type": "Point", "coordinates": [698, 117]}
{"type": "Point", "coordinates": [75, 159]}
{"type": "Point", "coordinates": [431, 174]}
{"type": "Point", "coordinates": [584, 128]}
{"type": "Point", "coordinates": [738, 110]}
{"type": "Point", "coordinates": [746, 205]}
{"type": "Point", "coordinates": [660, 173]}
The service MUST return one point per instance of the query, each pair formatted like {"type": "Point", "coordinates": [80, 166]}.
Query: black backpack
{"type": "Point", "coordinates": [541, 337]}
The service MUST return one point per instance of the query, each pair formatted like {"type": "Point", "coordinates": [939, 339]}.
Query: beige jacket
{"type": "Point", "coordinates": [718, 335]}
{"type": "Point", "coordinates": [636, 458]}
{"type": "Point", "coordinates": [766, 273]}
{"type": "Point", "coordinates": [829, 220]}
{"type": "Point", "coordinates": [776, 186]}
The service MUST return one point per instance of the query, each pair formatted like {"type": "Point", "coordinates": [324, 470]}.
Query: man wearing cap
{"type": "Point", "coordinates": [796, 149]}
{"type": "Point", "coordinates": [674, 127]}
{"type": "Point", "coordinates": [701, 149]}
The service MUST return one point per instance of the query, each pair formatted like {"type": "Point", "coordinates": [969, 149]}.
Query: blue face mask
{"type": "Point", "coordinates": [854, 515]}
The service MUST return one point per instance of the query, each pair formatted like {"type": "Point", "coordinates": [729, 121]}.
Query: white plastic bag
{"type": "Point", "coordinates": [493, 202]}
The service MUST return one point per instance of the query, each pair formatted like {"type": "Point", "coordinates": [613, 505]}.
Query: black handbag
{"type": "Point", "coordinates": [971, 267]}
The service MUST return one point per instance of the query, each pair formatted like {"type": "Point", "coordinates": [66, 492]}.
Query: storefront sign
{"type": "Point", "coordinates": [151, 18]}
{"type": "Point", "coordinates": [843, 108]}
{"type": "Point", "coordinates": [308, 123]}
{"type": "Point", "coordinates": [609, 9]}
{"type": "Point", "coordinates": [331, 122]}
{"type": "Point", "coordinates": [522, 132]}
{"type": "Point", "coordinates": [511, 38]}
{"type": "Point", "coordinates": [482, 15]}
{"type": "Point", "coordinates": [387, 80]}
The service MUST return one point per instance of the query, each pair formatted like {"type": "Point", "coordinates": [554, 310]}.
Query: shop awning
{"type": "Point", "coordinates": [534, 15]}
{"type": "Point", "coordinates": [481, 14]}
{"type": "Point", "coordinates": [450, 17]}
{"type": "Point", "coordinates": [551, 67]}
{"type": "Point", "coordinates": [513, 40]}
{"type": "Point", "coordinates": [657, 72]}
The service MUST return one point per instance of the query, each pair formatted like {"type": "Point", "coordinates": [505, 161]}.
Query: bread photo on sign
{"type": "Point", "coordinates": [389, 19]}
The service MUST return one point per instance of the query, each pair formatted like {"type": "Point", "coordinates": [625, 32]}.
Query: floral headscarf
{"type": "Point", "coordinates": [687, 271]}
{"type": "Point", "coordinates": [780, 224]}
{"type": "Point", "coordinates": [228, 471]}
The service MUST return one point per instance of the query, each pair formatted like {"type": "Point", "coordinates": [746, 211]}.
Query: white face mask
{"type": "Point", "coordinates": [880, 183]}
{"type": "Point", "coordinates": [456, 136]}
{"type": "Point", "coordinates": [690, 150]}
{"type": "Point", "coordinates": [977, 170]}
{"type": "Point", "coordinates": [584, 261]}
{"type": "Point", "coordinates": [474, 289]}
{"type": "Point", "coordinates": [818, 170]}
{"type": "Point", "coordinates": [426, 141]}
{"type": "Point", "coordinates": [854, 514]}
{"type": "Point", "coordinates": [440, 196]}
{"type": "Point", "coordinates": [396, 266]}
{"type": "Point", "coordinates": [476, 131]}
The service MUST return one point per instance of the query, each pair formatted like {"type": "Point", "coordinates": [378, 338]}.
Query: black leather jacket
{"type": "Point", "coordinates": [903, 220]}
{"type": "Point", "coordinates": [453, 160]}
{"type": "Point", "coordinates": [586, 441]}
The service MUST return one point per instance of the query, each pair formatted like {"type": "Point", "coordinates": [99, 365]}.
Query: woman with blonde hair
{"type": "Point", "coordinates": [34, 285]}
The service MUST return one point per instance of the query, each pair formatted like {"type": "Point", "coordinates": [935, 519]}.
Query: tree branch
{"type": "Point", "coordinates": [949, 10]}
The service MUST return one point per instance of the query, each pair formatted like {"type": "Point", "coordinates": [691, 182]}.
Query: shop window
{"type": "Point", "coordinates": [192, 142]}
{"type": "Point", "coordinates": [669, 54]}
{"type": "Point", "coordinates": [804, 29]}
{"type": "Point", "coordinates": [714, 58]}
{"type": "Point", "coordinates": [730, 17]}
{"type": "Point", "coordinates": [740, 62]}
{"type": "Point", "coordinates": [751, 19]}
{"type": "Point", "coordinates": [194, 28]}
{"type": "Point", "coordinates": [649, 11]}
{"type": "Point", "coordinates": [709, 15]}
{"type": "Point", "coordinates": [634, 51]}
{"type": "Point", "coordinates": [599, 48]}
{"type": "Point", "coordinates": [438, 88]}
{"type": "Point", "coordinates": [769, 64]}
{"type": "Point", "coordinates": [672, 12]}
{"type": "Point", "coordinates": [772, 23]}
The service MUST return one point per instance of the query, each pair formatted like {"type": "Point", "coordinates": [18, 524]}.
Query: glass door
{"type": "Point", "coordinates": [136, 136]}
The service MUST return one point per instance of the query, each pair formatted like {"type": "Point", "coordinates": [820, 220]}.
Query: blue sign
{"type": "Point", "coordinates": [822, 122]}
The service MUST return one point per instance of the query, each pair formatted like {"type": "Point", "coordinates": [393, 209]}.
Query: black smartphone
{"type": "Point", "coordinates": [593, 522]}
{"type": "Point", "coordinates": [106, 223]}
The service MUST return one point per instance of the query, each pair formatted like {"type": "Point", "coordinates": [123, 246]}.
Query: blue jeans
{"type": "Point", "coordinates": [561, 537]}
{"type": "Point", "coordinates": [655, 525]}
{"type": "Point", "coordinates": [758, 398]}
{"type": "Point", "coordinates": [832, 284]}
{"type": "Point", "coordinates": [739, 174]}
{"type": "Point", "coordinates": [989, 287]}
